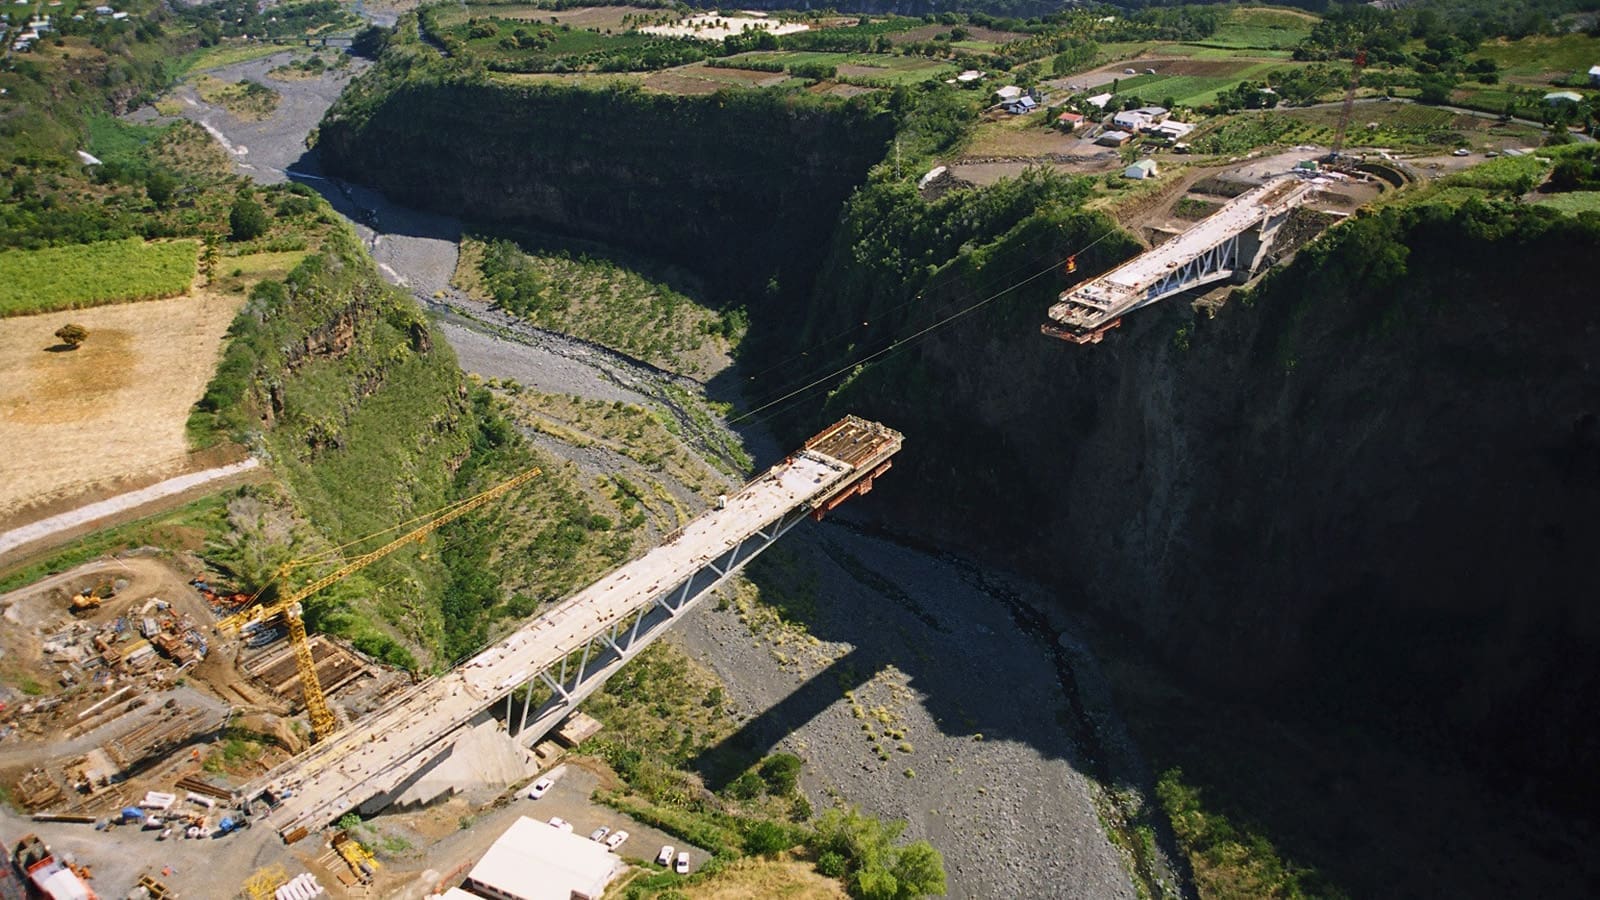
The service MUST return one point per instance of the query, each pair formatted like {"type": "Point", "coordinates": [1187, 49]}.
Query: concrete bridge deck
{"type": "Point", "coordinates": [1209, 251]}
{"type": "Point", "coordinates": [381, 751]}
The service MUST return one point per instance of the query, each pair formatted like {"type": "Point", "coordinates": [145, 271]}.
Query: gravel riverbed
{"type": "Point", "coordinates": [913, 661]}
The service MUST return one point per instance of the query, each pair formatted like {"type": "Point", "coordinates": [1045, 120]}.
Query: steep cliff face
{"type": "Point", "coordinates": [365, 416]}
{"type": "Point", "coordinates": [741, 187]}
{"type": "Point", "coordinates": [1368, 487]}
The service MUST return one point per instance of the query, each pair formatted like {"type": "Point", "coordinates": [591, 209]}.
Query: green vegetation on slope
{"type": "Point", "coordinates": [363, 413]}
{"type": "Point", "coordinates": [73, 277]}
{"type": "Point", "coordinates": [597, 300]}
{"type": "Point", "coordinates": [661, 712]}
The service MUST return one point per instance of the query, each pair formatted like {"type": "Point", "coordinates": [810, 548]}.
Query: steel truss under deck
{"type": "Point", "coordinates": [582, 671]}
{"type": "Point", "coordinates": [1215, 264]}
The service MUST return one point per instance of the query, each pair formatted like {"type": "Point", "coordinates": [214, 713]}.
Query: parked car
{"type": "Point", "coordinates": [1461, 151]}
{"type": "Point", "coordinates": [540, 786]}
{"type": "Point", "coordinates": [682, 865]}
{"type": "Point", "coordinates": [616, 840]}
{"type": "Point", "coordinates": [599, 834]}
{"type": "Point", "coordinates": [664, 858]}
{"type": "Point", "coordinates": [563, 824]}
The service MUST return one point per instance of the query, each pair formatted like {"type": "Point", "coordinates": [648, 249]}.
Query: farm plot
{"type": "Point", "coordinates": [1537, 60]}
{"type": "Point", "coordinates": [1021, 137]}
{"type": "Point", "coordinates": [1403, 124]}
{"type": "Point", "coordinates": [616, 18]}
{"type": "Point", "coordinates": [1573, 202]}
{"type": "Point", "coordinates": [985, 38]}
{"type": "Point", "coordinates": [699, 78]}
{"type": "Point", "coordinates": [112, 411]}
{"type": "Point", "coordinates": [795, 58]}
{"type": "Point", "coordinates": [894, 70]}
{"type": "Point", "coordinates": [83, 275]}
{"type": "Point", "coordinates": [716, 27]}
{"type": "Point", "coordinates": [1193, 82]}
{"type": "Point", "coordinates": [1267, 29]}
{"type": "Point", "coordinates": [879, 68]}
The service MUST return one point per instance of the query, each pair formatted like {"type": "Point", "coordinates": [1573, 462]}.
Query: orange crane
{"type": "Point", "coordinates": [323, 722]}
{"type": "Point", "coordinates": [1349, 105]}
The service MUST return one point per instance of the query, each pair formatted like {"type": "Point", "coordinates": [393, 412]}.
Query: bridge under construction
{"type": "Point", "coordinates": [551, 663]}
{"type": "Point", "coordinates": [1231, 243]}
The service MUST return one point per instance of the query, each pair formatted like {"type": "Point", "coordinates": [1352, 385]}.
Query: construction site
{"type": "Point", "coordinates": [154, 705]}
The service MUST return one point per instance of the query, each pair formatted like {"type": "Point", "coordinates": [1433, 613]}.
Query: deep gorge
{"type": "Point", "coordinates": [1359, 496]}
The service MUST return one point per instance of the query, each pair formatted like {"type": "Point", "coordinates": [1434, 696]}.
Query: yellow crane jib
{"type": "Point", "coordinates": [291, 609]}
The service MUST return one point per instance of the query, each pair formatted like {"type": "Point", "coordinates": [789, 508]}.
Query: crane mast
{"type": "Point", "coordinates": [1349, 105]}
{"type": "Point", "coordinates": [323, 722]}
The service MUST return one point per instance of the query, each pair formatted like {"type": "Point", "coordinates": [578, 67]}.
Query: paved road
{"type": "Point", "coordinates": [94, 512]}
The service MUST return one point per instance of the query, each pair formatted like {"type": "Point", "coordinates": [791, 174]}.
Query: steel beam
{"type": "Point", "coordinates": [612, 650]}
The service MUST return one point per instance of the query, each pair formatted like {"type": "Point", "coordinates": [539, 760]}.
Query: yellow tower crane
{"type": "Point", "coordinates": [323, 722]}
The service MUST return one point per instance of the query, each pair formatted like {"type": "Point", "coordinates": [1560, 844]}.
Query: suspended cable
{"type": "Point", "coordinates": [869, 357]}
{"type": "Point", "coordinates": [915, 336]}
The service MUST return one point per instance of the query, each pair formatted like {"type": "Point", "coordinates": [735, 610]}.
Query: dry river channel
{"type": "Point", "coordinates": [929, 689]}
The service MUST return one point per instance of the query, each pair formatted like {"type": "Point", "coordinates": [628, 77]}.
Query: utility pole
{"type": "Point", "coordinates": [897, 158]}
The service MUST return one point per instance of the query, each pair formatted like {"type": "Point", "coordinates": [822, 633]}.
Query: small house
{"type": "Point", "coordinates": [1130, 120]}
{"type": "Point", "coordinates": [1099, 101]}
{"type": "Point", "coordinates": [1144, 168]}
{"type": "Point", "coordinates": [1069, 121]}
{"type": "Point", "coordinates": [1020, 106]}
{"type": "Point", "coordinates": [103, 10]}
{"type": "Point", "coordinates": [1556, 98]}
{"type": "Point", "coordinates": [1594, 75]}
{"type": "Point", "coordinates": [1172, 129]}
{"type": "Point", "coordinates": [1113, 139]}
{"type": "Point", "coordinates": [1155, 114]}
{"type": "Point", "coordinates": [119, 16]}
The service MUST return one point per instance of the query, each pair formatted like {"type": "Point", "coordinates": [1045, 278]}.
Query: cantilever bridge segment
{"type": "Point", "coordinates": [556, 660]}
{"type": "Point", "coordinates": [1230, 243]}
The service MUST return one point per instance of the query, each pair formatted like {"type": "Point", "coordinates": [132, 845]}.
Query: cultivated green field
{"type": "Point", "coordinates": [874, 67]}
{"type": "Point", "coordinates": [1540, 57]}
{"type": "Point", "coordinates": [1573, 202]}
{"type": "Point", "coordinates": [1191, 90]}
{"type": "Point", "coordinates": [73, 277]}
{"type": "Point", "coordinates": [1267, 29]}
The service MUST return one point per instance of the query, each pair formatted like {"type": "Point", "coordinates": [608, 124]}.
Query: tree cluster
{"type": "Point", "coordinates": [861, 850]}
